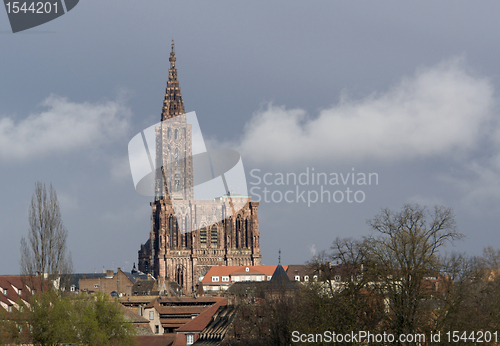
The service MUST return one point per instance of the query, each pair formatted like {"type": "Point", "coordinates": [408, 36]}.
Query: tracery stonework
{"type": "Point", "coordinates": [186, 257]}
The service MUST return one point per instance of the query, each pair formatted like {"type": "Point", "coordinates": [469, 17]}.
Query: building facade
{"type": "Point", "coordinates": [185, 257]}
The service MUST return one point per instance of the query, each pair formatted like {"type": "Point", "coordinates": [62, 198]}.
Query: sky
{"type": "Point", "coordinates": [403, 97]}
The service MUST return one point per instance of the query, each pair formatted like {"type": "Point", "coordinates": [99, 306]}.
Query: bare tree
{"type": "Point", "coordinates": [44, 254]}
{"type": "Point", "coordinates": [405, 256]}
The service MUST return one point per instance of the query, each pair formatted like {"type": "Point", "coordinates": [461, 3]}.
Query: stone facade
{"type": "Point", "coordinates": [185, 257]}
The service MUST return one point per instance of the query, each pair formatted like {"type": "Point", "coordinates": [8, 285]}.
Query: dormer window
{"type": "Point", "coordinates": [306, 278]}
{"type": "Point", "coordinates": [215, 279]}
{"type": "Point", "coordinates": [297, 278]}
{"type": "Point", "coordinates": [247, 269]}
{"type": "Point", "coordinates": [4, 291]}
{"type": "Point", "coordinates": [19, 291]}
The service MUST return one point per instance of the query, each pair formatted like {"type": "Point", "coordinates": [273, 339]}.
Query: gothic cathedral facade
{"type": "Point", "coordinates": [185, 257]}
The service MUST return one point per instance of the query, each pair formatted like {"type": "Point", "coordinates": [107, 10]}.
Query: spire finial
{"type": "Point", "coordinates": [172, 45]}
{"type": "Point", "coordinates": [279, 257]}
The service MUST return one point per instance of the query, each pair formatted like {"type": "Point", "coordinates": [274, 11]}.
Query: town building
{"type": "Point", "coordinates": [220, 278]}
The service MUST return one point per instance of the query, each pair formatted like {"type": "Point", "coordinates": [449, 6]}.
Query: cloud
{"type": "Point", "coordinates": [120, 169]}
{"type": "Point", "coordinates": [479, 184]}
{"type": "Point", "coordinates": [62, 127]}
{"type": "Point", "coordinates": [439, 111]}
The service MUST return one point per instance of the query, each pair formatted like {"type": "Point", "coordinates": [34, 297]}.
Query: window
{"type": "Point", "coordinates": [269, 277]}
{"type": "Point", "coordinates": [176, 157]}
{"type": "Point", "coordinates": [96, 286]}
{"type": "Point", "coordinates": [315, 277]}
{"type": "Point", "coordinates": [177, 182]}
{"type": "Point", "coordinates": [297, 278]}
{"type": "Point", "coordinates": [19, 291]}
{"type": "Point", "coordinates": [157, 330]}
{"type": "Point", "coordinates": [176, 134]}
{"type": "Point", "coordinates": [306, 278]}
{"type": "Point", "coordinates": [4, 291]}
{"type": "Point", "coordinates": [337, 278]}
{"type": "Point", "coordinates": [72, 288]}
{"type": "Point", "coordinates": [203, 236]}
{"type": "Point", "coordinates": [225, 279]}
{"type": "Point", "coordinates": [215, 279]}
{"type": "Point", "coordinates": [189, 339]}
{"type": "Point", "coordinates": [247, 269]}
{"type": "Point", "coordinates": [151, 315]}
{"type": "Point", "coordinates": [10, 308]}
{"type": "Point", "coordinates": [213, 237]}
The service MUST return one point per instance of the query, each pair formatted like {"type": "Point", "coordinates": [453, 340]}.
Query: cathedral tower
{"type": "Point", "coordinates": [185, 257]}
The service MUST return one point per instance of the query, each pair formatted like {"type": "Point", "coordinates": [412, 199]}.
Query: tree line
{"type": "Point", "coordinates": [399, 280]}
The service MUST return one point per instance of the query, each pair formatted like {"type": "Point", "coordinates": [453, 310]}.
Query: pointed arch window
{"type": "Point", "coordinates": [176, 134]}
{"type": "Point", "coordinates": [176, 157]}
{"type": "Point", "coordinates": [177, 183]}
{"type": "Point", "coordinates": [238, 232]}
{"type": "Point", "coordinates": [213, 236]}
{"type": "Point", "coordinates": [203, 236]}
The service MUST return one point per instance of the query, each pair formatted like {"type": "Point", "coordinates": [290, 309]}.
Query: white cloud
{"type": "Point", "coordinates": [479, 185]}
{"type": "Point", "coordinates": [439, 111]}
{"type": "Point", "coordinates": [62, 127]}
{"type": "Point", "coordinates": [67, 202]}
{"type": "Point", "coordinates": [120, 169]}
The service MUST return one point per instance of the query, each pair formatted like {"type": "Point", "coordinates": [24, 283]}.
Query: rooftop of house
{"type": "Point", "coordinates": [202, 320]}
{"type": "Point", "coordinates": [218, 326]}
{"type": "Point", "coordinates": [14, 288]}
{"type": "Point", "coordinates": [237, 270]}
{"type": "Point", "coordinates": [156, 340]}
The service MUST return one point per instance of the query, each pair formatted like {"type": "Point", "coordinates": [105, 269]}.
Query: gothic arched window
{"type": "Point", "coordinates": [169, 133]}
{"type": "Point", "coordinates": [176, 157]}
{"type": "Point", "coordinates": [213, 236]}
{"type": "Point", "coordinates": [176, 135]}
{"type": "Point", "coordinates": [238, 232]}
{"type": "Point", "coordinates": [177, 183]}
{"type": "Point", "coordinates": [203, 236]}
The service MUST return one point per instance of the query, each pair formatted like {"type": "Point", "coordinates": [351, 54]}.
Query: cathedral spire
{"type": "Point", "coordinates": [172, 104]}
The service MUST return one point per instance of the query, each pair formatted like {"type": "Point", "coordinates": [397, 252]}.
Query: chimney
{"type": "Point", "coordinates": [103, 270]}
{"type": "Point", "coordinates": [109, 273]}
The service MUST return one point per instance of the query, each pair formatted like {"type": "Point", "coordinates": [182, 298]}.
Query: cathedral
{"type": "Point", "coordinates": [171, 252]}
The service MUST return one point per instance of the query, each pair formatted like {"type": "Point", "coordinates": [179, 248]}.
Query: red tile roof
{"type": "Point", "coordinates": [157, 340]}
{"type": "Point", "coordinates": [12, 283]}
{"type": "Point", "coordinates": [174, 322]}
{"type": "Point", "coordinates": [237, 270]}
{"type": "Point", "coordinates": [201, 321]}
